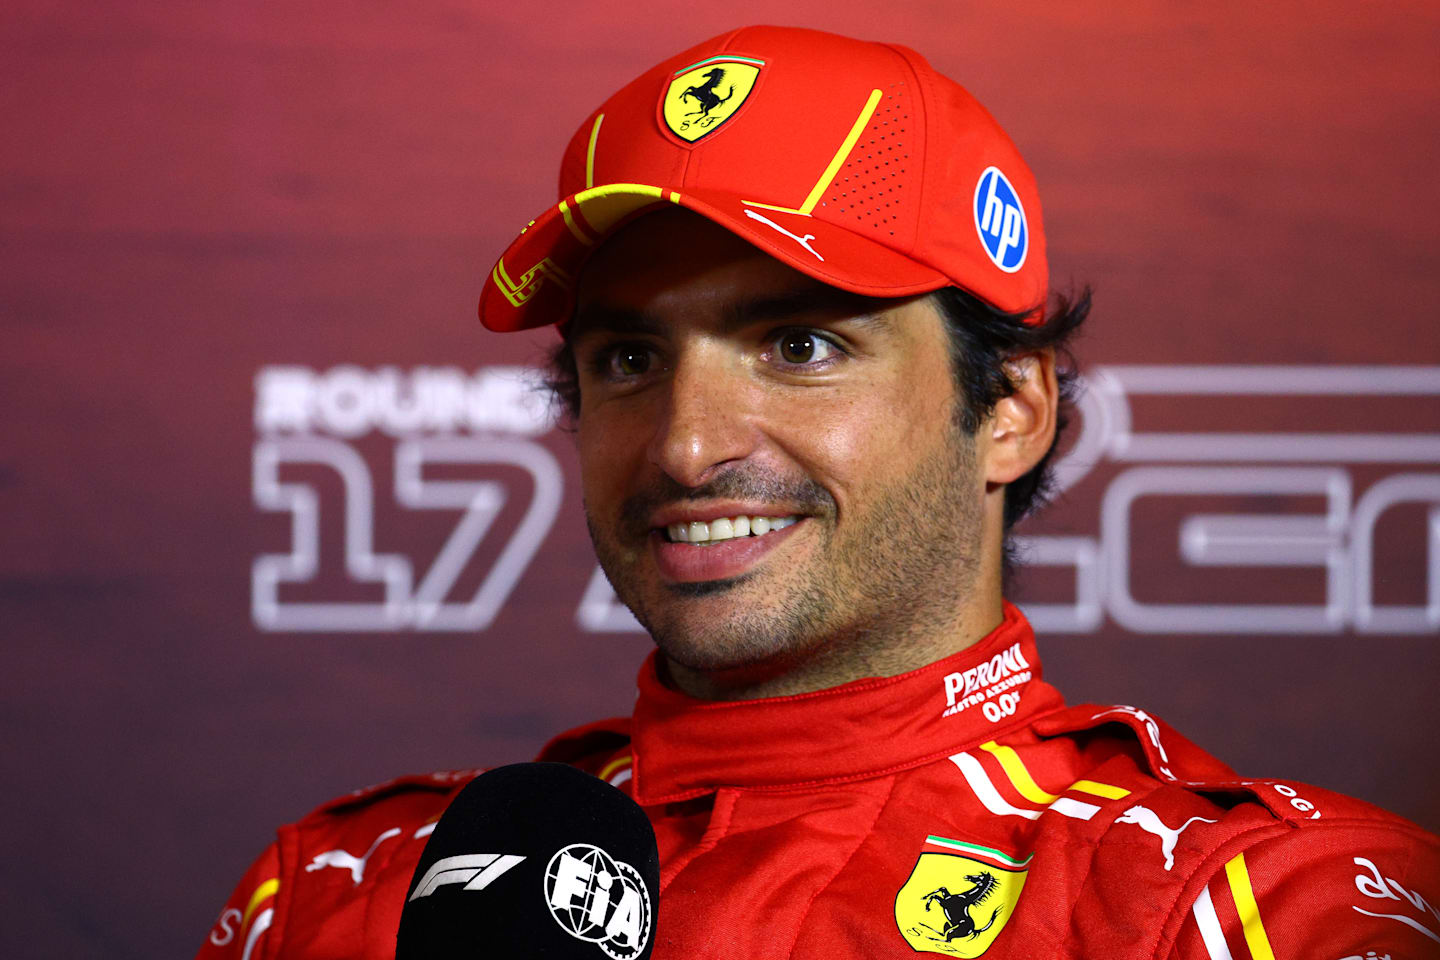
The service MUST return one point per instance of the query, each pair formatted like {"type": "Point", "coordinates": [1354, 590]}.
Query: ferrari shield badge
{"type": "Point", "coordinates": [702, 96]}
{"type": "Point", "coordinates": [957, 905]}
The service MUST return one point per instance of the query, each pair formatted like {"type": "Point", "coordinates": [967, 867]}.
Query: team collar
{"type": "Point", "coordinates": [684, 747]}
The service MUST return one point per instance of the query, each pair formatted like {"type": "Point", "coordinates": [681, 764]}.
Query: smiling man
{"type": "Point", "coordinates": [766, 488]}
{"type": "Point", "coordinates": [801, 291]}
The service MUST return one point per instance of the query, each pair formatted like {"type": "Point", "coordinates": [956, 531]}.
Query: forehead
{"type": "Point", "coordinates": [675, 264]}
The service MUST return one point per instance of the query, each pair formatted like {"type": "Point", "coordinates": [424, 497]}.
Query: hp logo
{"type": "Point", "coordinates": [1000, 221]}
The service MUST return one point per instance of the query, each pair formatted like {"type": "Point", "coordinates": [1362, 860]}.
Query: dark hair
{"type": "Point", "coordinates": [982, 339]}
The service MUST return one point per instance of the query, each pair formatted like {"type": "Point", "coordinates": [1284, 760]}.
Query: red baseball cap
{"type": "Point", "coordinates": [853, 162]}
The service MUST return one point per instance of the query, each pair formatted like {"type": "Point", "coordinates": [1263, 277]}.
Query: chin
{"type": "Point", "coordinates": [718, 643]}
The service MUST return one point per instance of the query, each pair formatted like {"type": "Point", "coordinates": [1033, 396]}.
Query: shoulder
{"type": "Point", "coordinates": [1239, 867]}
{"type": "Point", "coordinates": [418, 799]}
{"type": "Point", "coordinates": [332, 883]}
{"type": "Point", "coordinates": [408, 807]}
{"type": "Point", "coordinates": [594, 747]}
{"type": "Point", "coordinates": [306, 894]}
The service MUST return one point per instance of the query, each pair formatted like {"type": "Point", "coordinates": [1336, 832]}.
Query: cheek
{"type": "Point", "coordinates": [856, 444]}
{"type": "Point", "coordinates": [603, 463]}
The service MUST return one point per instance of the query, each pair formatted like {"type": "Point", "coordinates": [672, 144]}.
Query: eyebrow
{"type": "Point", "coordinates": [807, 302]}
{"type": "Point", "coordinates": [793, 305]}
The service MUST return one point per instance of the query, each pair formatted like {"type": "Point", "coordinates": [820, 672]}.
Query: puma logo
{"type": "Point", "coordinates": [348, 861]}
{"type": "Point", "coordinates": [1147, 820]}
{"type": "Point", "coordinates": [803, 241]}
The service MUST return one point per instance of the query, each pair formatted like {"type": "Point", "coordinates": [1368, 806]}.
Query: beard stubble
{"type": "Point", "coordinates": [901, 570]}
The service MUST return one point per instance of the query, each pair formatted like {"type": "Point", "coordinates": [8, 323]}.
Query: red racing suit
{"type": "Point", "coordinates": [960, 809]}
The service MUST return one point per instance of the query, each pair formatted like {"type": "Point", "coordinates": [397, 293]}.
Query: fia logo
{"type": "Point", "coordinates": [1000, 221]}
{"type": "Point", "coordinates": [596, 898]}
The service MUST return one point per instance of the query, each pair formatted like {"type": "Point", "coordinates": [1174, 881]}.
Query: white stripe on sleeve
{"type": "Point", "coordinates": [1209, 924]}
{"type": "Point", "coordinates": [261, 924]}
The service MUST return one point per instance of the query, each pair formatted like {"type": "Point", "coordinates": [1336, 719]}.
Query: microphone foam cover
{"type": "Point", "coordinates": [535, 859]}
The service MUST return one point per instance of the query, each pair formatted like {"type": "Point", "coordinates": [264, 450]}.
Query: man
{"type": "Point", "coordinates": [800, 283]}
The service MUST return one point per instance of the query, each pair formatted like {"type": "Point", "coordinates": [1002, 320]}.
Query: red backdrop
{"type": "Point", "coordinates": [280, 521]}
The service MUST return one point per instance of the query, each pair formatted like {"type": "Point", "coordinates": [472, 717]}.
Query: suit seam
{"type": "Point", "coordinates": [721, 814]}
{"type": "Point", "coordinates": [1206, 870]}
{"type": "Point", "coordinates": [864, 838]}
{"type": "Point", "coordinates": [1069, 942]}
{"type": "Point", "coordinates": [1241, 842]}
{"type": "Point", "coordinates": [287, 870]}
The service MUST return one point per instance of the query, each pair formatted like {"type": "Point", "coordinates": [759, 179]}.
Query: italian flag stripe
{"type": "Point", "coordinates": [723, 58]}
{"type": "Point", "coordinates": [974, 849]}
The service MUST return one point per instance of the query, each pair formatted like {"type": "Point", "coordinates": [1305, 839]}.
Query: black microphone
{"type": "Point", "coordinates": [534, 860]}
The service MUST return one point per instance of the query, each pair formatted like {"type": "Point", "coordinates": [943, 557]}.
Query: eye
{"type": "Point", "coordinates": [804, 348]}
{"type": "Point", "coordinates": [630, 360]}
{"type": "Point", "coordinates": [620, 361]}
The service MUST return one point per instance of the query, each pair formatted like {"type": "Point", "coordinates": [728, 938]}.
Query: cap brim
{"type": "Point", "coordinates": [533, 282]}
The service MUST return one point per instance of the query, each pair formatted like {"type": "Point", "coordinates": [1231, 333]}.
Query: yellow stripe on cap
{"type": "Point", "coordinates": [590, 152]}
{"type": "Point", "coordinates": [501, 276]}
{"type": "Point", "coordinates": [1019, 776]}
{"type": "Point", "coordinates": [262, 893]}
{"type": "Point", "coordinates": [818, 190]}
{"type": "Point", "coordinates": [574, 227]}
{"type": "Point", "coordinates": [505, 285]}
{"type": "Point", "coordinates": [607, 205]}
{"type": "Point", "coordinates": [1248, 909]}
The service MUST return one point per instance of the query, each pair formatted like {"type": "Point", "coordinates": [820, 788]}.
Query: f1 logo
{"type": "Point", "coordinates": [1000, 221]}
{"type": "Point", "coordinates": [475, 870]}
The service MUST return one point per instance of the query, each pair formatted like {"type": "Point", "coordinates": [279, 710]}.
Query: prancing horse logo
{"type": "Point", "coordinates": [956, 905]}
{"type": "Point", "coordinates": [707, 98]}
{"type": "Point", "coordinates": [700, 98]}
{"type": "Point", "coordinates": [956, 908]}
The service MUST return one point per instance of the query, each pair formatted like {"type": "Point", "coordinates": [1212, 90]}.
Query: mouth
{"type": "Point", "coordinates": [702, 533]}
{"type": "Point", "coordinates": [721, 548]}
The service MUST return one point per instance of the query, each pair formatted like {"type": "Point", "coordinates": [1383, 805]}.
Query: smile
{"type": "Point", "coordinates": [730, 546]}
{"type": "Point", "coordinates": [700, 534]}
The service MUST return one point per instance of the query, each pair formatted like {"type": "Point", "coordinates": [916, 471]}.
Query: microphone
{"type": "Point", "coordinates": [535, 860]}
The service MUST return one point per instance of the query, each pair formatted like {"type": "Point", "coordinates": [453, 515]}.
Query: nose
{"type": "Point", "coordinates": [705, 420]}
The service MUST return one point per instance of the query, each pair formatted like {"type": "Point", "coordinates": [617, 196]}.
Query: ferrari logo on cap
{"type": "Point", "coordinates": [957, 905]}
{"type": "Point", "coordinates": [702, 96]}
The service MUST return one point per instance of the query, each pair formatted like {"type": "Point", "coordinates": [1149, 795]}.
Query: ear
{"type": "Point", "coordinates": [1022, 426]}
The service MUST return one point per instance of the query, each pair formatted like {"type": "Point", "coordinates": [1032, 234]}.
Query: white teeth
{"type": "Point", "coordinates": [726, 528]}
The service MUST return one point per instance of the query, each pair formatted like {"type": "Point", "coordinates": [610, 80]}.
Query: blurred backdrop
{"type": "Point", "coordinates": [280, 520]}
